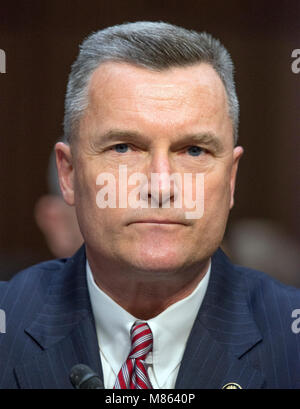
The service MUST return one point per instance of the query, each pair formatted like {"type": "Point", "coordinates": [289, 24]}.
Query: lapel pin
{"type": "Point", "coordinates": [232, 385]}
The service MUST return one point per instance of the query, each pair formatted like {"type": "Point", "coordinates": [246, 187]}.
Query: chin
{"type": "Point", "coordinates": [158, 266]}
{"type": "Point", "coordinates": [157, 259]}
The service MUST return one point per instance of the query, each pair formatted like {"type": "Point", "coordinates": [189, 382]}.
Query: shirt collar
{"type": "Point", "coordinates": [170, 329]}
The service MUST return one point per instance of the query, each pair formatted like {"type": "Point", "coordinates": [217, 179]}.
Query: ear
{"type": "Point", "coordinates": [65, 169]}
{"type": "Point", "coordinates": [237, 154]}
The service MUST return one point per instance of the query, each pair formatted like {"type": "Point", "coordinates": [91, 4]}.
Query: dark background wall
{"type": "Point", "coordinates": [41, 40]}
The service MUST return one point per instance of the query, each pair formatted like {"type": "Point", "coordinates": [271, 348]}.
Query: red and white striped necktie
{"type": "Point", "coordinates": [133, 374]}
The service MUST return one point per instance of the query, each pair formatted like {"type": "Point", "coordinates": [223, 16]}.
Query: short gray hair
{"type": "Point", "coordinates": [152, 45]}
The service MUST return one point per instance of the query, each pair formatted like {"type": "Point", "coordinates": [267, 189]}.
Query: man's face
{"type": "Point", "coordinates": [174, 121]}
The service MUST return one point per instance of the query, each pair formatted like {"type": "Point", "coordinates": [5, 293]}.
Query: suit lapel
{"type": "Point", "coordinates": [223, 332]}
{"type": "Point", "coordinates": [64, 330]}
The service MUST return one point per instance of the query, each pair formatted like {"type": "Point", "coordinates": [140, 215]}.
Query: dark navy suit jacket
{"type": "Point", "coordinates": [242, 333]}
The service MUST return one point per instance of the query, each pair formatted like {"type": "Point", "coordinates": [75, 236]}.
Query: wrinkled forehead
{"type": "Point", "coordinates": [171, 84]}
{"type": "Point", "coordinates": [121, 92]}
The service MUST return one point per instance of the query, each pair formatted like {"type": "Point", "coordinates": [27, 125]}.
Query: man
{"type": "Point", "coordinates": [150, 301]}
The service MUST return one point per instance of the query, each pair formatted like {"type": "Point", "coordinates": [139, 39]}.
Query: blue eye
{"type": "Point", "coordinates": [121, 147]}
{"type": "Point", "coordinates": [195, 150]}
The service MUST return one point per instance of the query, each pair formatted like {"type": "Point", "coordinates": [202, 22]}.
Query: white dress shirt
{"type": "Point", "coordinates": [170, 330]}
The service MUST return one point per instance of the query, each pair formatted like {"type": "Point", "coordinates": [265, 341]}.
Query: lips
{"type": "Point", "coordinates": [158, 221]}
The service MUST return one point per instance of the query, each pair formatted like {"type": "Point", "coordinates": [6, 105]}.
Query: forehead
{"type": "Point", "coordinates": [139, 81]}
{"type": "Point", "coordinates": [122, 93]}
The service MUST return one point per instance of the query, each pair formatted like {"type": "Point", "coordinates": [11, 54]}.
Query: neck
{"type": "Point", "coordinates": [145, 294]}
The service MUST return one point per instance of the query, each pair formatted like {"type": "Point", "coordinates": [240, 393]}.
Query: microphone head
{"type": "Point", "coordinates": [83, 377]}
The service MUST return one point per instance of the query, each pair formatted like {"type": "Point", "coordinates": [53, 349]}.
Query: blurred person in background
{"type": "Point", "coordinates": [264, 245]}
{"type": "Point", "coordinates": [56, 219]}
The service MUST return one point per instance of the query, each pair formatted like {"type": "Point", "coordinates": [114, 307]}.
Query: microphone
{"type": "Point", "coordinates": [83, 377]}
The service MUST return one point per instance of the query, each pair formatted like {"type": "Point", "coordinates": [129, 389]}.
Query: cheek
{"type": "Point", "coordinates": [93, 219]}
{"type": "Point", "coordinates": [209, 230]}
{"type": "Point", "coordinates": [85, 199]}
{"type": "Point", "coordinates": [85, 191]}
{"type": "Point", "coordinates": [217, 196]}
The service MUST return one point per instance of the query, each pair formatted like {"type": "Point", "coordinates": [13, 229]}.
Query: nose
{"type": "Point", "coordinates": [162, 187]}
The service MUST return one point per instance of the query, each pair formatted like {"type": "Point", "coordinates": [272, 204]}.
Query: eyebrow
{"type": "Point", "coordinates": [208, 139]}
{"type": "Point", "coordinates": [118, 134]}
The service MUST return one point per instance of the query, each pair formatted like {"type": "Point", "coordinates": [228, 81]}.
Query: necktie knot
{"type": "Point", "coordinates": [141, 341]}
{"type": "Point", "coordinates": [133, 374]}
